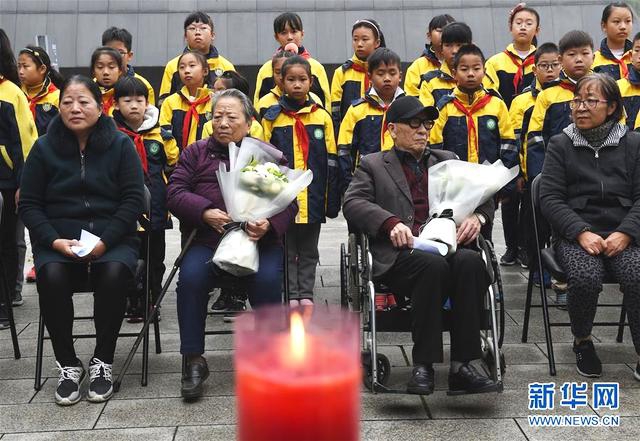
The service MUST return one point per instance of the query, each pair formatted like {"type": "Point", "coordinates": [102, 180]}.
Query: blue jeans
{"type": "Point", "coordinates": [197, 278]}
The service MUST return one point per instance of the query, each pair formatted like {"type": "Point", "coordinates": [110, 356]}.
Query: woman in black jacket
{"type": "Point", "coordinates": [82, 175]}
{"type": "Point", "coordinates": [590, 193]}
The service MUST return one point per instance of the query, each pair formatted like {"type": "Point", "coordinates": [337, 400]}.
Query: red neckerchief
{"type": "Point", "coordinates": [301, 131]}
{"type": "Point", "coordinates": [33, 101]}
{"type": "Point", "coordinates": [471, 126]}
{"type": "Point", "coordinates": [138, 141]}
{"type": "Point", "coordinates": [107, 104]}
{"type": "Point", "coordinates": [521, 65]}
{"type": "Point", "coordinates": [362, 70]}
{"type": "Point", "coordinates": [192, 113]}
{"type": "Point", "coordinates": [567, 85]}
{"type": "Point", "coordinates": [623, 66]}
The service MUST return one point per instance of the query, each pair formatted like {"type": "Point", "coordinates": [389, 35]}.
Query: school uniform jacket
{"type": "Point", "coordinates": [606, 62]}
{"type": "Point", "coordinates": [132, 73]}
{"type": "Point", "coordinates": [171, 82]}
{"type": "Point", "coordinates": [108, 100]}
{"type": "Point", "coordinates": [44, 105]}
{"type": "Point", "coordinates": [156, 150]}
{"type": "Point", "coordinates": [520, 114]}
{"type": "Point", "coordinates": [361, 133]}
{"type": "Point", "coordinates": [320, 86]}
{"type": "Point", "coordinates": [511, 73]}
{"type": "Point", "coordinates": [271, 99]}
{"type": "Point", "coordinates": [350, 82]}
{"type": "Point", "coordinates": [256, 130]}
{"type": "Point", "coordinates": [438, 83]}
{"type": "Point", "coordinates": [485, 135]}
{"type": "Point", "coordinates": [184, 120]}
{"type": "Point", "coordinates": [427, 62]}
{"type": "Point", "coordinates": [321, 198]}
{"type": "Point", "coordinates": [17, 133]}
{"type": "Point", "coordinates": [550, 115]}
{"type": "Point", "coordinates": [630, 91]}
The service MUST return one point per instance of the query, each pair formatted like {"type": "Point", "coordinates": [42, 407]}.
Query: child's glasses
{"type": "Point", "coordinates": [589, 103]}
{"type": "Point", "coordinates": [549, 66]}
{"type": "Point", "coordinates": [200, 29]}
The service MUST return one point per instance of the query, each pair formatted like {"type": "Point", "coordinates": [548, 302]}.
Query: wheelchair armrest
{"type": "Point", "coordinates": [485, 247]}
{"type": "Point", "coordinates": [550, 263]}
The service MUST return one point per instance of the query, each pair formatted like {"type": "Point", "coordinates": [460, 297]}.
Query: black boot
{"type": "Point", "coordinates": [194, 373]}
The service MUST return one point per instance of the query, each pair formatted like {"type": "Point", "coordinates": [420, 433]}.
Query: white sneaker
{"type": "Point", "coordinates": [100, 381]}
{"type": "Point", "coordinates": [69, 382]}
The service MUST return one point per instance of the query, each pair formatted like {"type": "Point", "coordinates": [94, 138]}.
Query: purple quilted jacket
{"type": "Point", "coordinates": [194, 188]}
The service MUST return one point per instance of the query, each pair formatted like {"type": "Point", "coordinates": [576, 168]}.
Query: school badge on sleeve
{"type": "Point", "coordinates": [46, 107]}
{"type": "Point", "coordinates": [154, 148]}
{"type": "Point", "coordinates": [491, 124]}
{"type": "Point", "coordinates": [318, 134]}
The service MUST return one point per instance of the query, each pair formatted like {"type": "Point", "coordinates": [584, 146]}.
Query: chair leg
{"type": "Point", "coordinates": [623, 315]}
{"type": "Point", "coordinates": [39, 350]}
{"type": "Point", "coordinates": [527, 308]}
{"type": "Point", "coordinates": [547, 326]}
{"type": "Point", "coordinates": [12, 323]}
{"type": "Point", "coordinates": [156, 335]}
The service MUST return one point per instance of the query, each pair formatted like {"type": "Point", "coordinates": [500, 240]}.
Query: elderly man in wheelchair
{"type": "Point", "coordinates": [388, 200]}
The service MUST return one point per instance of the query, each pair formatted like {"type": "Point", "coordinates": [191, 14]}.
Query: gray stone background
{"type": "Point", "coordinates": [244, 27]}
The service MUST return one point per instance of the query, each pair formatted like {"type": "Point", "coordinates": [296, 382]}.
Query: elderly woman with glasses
{"type": "Point", "coordinates": [590, 194]}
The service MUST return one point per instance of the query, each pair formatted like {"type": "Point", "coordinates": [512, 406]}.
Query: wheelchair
{"type": "Point", "coordinates": [358, 291]}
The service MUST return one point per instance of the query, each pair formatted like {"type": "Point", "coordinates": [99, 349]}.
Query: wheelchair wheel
{"type": "Point", "coordinates": [353, 274]}
{"type": "Point", "coordinates": [344, 282]}
{"type": "Point", "coordinates": [384, 369]}
{"type": "Point", "coordinates": [490, 361]}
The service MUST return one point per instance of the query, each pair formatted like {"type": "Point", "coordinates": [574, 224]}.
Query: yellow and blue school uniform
{"type": "Point", "coordinates": [439, 83]}
{"type": "Point", "coordinates": [255, 131]}
{"type": "Point", "coordinates": [320, 85]}
{"type": "Point", "coordinates": [511, 73]}
{"type": "Point", "coordinates": [157, 149]}
{"type": "Point", "coordinates": [475, 127]}
{"type": "Point", "coordinates": [184, 117]}
{"type": "Point", "coordinates": [108, 100]}
{"type": "Point", "coordinates": [630, 91]}
{"type": "Point", "coordinates": [350, 82]}
{"type": "Point", "coordinates": [605, 62]}
{"type": "Point", "coordinates": [132, 73]}
{"type": "Point", "coordinates": [427, 62]}
{"type": "Point", "coordinates": [304, 133]}
{"type": "Point", "coordinates": [363, 131]}
{"type": "Point", "coordinates": [171, 82]}
{"type": "Point", "coordinates": [44, 105]}
{"type": "Point", "coordinates": [272, 98]}
{"type": "Point", "coordinates": [551, 114]}
{"type": "Point", "coordinates": [17, 133]}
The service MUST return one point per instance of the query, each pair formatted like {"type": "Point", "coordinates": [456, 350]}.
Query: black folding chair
{"type": "Point", "coordinates": [7, 300]}
{"type": "Point", "coordinates": [546, 260]}
{"type": "Point", "coordinates": [85, 286]}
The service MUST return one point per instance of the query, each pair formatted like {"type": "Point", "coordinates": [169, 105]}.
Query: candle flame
{"type": "Point", "coordinates": [298, 343]}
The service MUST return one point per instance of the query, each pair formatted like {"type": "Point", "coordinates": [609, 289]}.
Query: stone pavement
{"type": "Point", "coordinates": [157, 412]}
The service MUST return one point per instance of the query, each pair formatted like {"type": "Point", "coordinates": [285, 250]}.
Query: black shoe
{"type": "Point", "coordinates": [70, 380]}
{"type": "Point", "coordinates": [100, 381]}
{"type": "Point", "coordinates": [17, 300]}
{"type": "Point", "coordinates": [4, 318]}
{"type": "Point", "coordinates": [469, 381]}
{"type": "Point", "coordinates": [510, 257]}
{"type": "Point", "coordinates": [223, 301]}
{"type": "Point", "coordinates": [236, 305]}
{"type": "Point", "coordinates": [587, 362]}
{"type": "Point", "coordinates": [195, 372]}
{"type": "Point", "coordinates": [523, 258]}
{"type": "Point", "coordinates": [422, 380]}
{"type": "Point", "coordinates": [636, 373]}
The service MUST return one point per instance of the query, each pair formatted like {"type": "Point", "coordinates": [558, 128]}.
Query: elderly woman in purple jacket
{"type": "Point", "coordinates": [194, 197]}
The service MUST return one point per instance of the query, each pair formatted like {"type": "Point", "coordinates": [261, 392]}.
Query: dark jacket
{"type": "Point", "coordinates": [581, 187]}
{"type": "Point", "coordinates": [63, 192]}
{"type": "Point", "coordinates": [378, 191]}
{"type": "Point", "coordinates": [194, 188]}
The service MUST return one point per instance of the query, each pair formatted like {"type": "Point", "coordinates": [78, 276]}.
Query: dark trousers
{"type": "Point", "coordinates": [198, 276]}
{"type": "Point", "coordinates": [56, 281]}
{"type": "Point", "coordinates": [510, 216]}
{"type": "Point", "coordinates": [303, 257]}
{"type": "Point", "coordinates": [8, 242]}
{"type": "Point", "coordinates": [428, 279]}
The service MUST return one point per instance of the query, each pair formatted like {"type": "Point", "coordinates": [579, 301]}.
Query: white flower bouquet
{"type": "Point", "coordinates": [456, 189]}
{"type": "Point", "coordinates": [255, 187]}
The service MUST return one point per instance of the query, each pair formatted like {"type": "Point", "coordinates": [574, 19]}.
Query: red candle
{"type": "Point", "coordinates": [297, 379]}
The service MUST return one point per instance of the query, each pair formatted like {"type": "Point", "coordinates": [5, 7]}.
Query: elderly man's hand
{"type": "Point", "coordinates": [468, 230]}
{"type": "Point", "coordinates": [401, 236]}
{"type": "Point", "coordinates": [257, 229]}
{"type": "Point", "coordinates": [216, 219]}
{"type": "Point", "coordinates": [616, 243]}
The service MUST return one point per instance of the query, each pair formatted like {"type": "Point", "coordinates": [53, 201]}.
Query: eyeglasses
{"type": "Point", "coordinates": [415, 123]}
{"type": "Point", "coordinates": [589, 103]}
{"type": "Point", "coordinates": [548, 66]}
{"type": "Point", "coordinates": [201, 29]}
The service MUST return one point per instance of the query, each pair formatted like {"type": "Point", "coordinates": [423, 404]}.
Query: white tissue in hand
{"type": "Point", "coordinates": [88, 242]}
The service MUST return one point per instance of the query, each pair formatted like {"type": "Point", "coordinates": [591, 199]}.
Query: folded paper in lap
{"type": "Point", "coordinates": [88, 242]}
